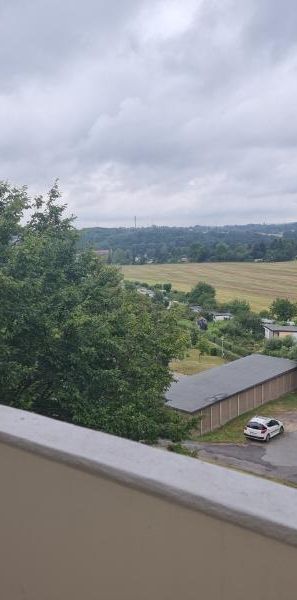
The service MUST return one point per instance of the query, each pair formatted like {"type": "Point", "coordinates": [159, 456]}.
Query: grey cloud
{"type": "Point", "coordinates": [273, 27]}
{"type": "Point", "coordinates": [178, 112]}
{"type": "Point", "coordinates": [39, 37]}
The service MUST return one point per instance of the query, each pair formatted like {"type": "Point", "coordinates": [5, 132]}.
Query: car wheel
{"type": "Point", "coordinates": [281, 430]}
{"type": "Point", "coordinates": [267, 438]}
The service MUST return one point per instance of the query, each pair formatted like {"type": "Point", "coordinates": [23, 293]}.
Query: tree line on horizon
{"type": "Point", "coordinates": [194, 244]}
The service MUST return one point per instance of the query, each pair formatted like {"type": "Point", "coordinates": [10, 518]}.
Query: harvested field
{"type": "Point", "coordinates": [259, 283]}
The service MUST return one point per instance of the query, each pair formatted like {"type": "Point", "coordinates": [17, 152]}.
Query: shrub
{"type": "Point", "coordinates": [194, 336]}
{"type": "Point", "coordinates": [288, 341]}
{"type": "Point", "coordinates": [179, 449]}
{"type": "Point", "coordinates": [239, 307]}
{"type": "Point", "coordinates": [273, 344]}
{"type": "Point", "coordinates": [213, 351]}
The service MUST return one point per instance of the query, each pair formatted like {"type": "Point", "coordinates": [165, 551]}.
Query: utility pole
{"type": "Point", "coordinates": [223, 353]}
{"type": "Point", "coordinates": [135, 223]}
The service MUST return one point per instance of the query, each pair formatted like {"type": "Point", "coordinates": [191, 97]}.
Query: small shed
{"type": "Point", "coordinates": [223, 393]}
{"type": "Point", "coordinates": [221, 315]}
{"type": "Point", "coordinates": [272, 331]}
{"type": "Point", "coordinates": [196, 308]}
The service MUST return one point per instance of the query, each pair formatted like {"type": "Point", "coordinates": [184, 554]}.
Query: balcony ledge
{"type": "Point", "coordinates": [242, 499]}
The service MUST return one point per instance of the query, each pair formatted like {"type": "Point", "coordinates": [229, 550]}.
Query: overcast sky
{"type": "Point", "coordinates": [177, 111]}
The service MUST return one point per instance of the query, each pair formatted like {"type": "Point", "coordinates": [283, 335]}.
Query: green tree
{"type": "Point", "coordinates": [285, 347]}
{"type": "Point", "coordinates": [238, 306]}
{"type": "Point", "coordinates": [247, 324]}
{"type": "Point", "coordinates": [265, 314]}
{"type": "Point", "coordinates": [288, 341]}
{"type": "Point", "coordinates": [203, 346]}
{"type": "Point", "coordinates": [222, 251]}
{"type": "Point", "coordinates": [197, 253]}
{"type": "Point", "coordinates": [159, 297]}
{"type": "Point", "coordinates": [194, 334]}
{"type": "Point", "coordinates": [75, 344]}
{"type": "Point", "coordinates": [272, 345]}
{"type": "Point", "coordinates": [283, 309]}
{"type": "Point", "coordinates": [293, 352]}
{"type": "Point", "coordinates": [13, 202]}
{"type": "Point", "coordinates": [203, 294]}
{"type": "Point", "coordinates": [120, 257]}
{"type": "Point", "coordinates": [251, 323]}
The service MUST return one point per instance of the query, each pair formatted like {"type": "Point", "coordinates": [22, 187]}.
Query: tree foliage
{"type": "Point", "coordinates": [75, 344]}
{"type": "Point", "coordinates": [203, 294]}
{"type": "Point", "coordinates": [285, 347]}
{"type": "Point", "coordinates": [260, 242]}
{"type": "Point", "coordinates": [203, 346]}
{"type": "Point", "coordinates": [238, 306]}
{"type": "Point", "coordinates": [283, 309]}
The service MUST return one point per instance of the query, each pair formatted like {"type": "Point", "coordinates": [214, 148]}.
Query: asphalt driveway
{"type": "Point", "coordinates": [278, 459]}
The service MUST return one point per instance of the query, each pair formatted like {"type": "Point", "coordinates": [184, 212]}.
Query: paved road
{"type": "Point", "coordinates": [277, 459]}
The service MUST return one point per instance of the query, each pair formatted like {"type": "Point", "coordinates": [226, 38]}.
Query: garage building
{"type": "Point", "coordinates": [223, 393]}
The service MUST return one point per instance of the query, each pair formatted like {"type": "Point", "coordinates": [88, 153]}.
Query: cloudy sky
{"type": "Point", "coordinates": [177, 111]}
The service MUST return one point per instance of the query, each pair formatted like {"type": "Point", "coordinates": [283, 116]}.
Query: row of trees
{"type": "Point", "coordinates": [75, 344]}
{"type": "Point", "coordinates": [204, 294]}
{"type": "Point", "coordinates": [273, 250]}
{"type": "Point", "coordinates": [196, 244]}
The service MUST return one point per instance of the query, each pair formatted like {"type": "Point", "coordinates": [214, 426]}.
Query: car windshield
{"type": "Point", "coordinates": [254, 425]}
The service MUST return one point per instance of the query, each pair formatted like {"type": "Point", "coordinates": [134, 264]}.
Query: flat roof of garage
{"type": "Point", "coordinates": [194, 392]}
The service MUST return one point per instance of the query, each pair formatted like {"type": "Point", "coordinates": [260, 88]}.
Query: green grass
{"type": "Point", "coordinates": [233, 431]}
{"type": "Point", "coordinates": [193, 363]}
{"type": "Point", "coordinates": [186, 324]}
{"type": "Point", "coordinates": [259, 283]}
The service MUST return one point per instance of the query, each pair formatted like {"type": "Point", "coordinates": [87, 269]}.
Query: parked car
{"type": "Point", "coordinates": [263, 428]}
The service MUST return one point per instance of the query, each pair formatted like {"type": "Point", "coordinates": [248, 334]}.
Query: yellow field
{"type": "Point", "coordinates": [259, 283]}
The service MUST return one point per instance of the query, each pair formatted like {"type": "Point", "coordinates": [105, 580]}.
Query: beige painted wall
{"type": "Point", "coordinates": [283, 334]}
{"type": "Point", "coordinates": [70, 535]}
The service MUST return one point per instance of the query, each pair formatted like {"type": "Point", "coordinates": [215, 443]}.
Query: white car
{"type": "Point", "coordinates": [263, 428]}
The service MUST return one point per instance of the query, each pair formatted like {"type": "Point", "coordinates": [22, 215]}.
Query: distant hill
{"type": "Point", "coordinates": [267, 242]}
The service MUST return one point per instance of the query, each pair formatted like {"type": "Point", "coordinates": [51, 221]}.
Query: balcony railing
{"type": "Point", "coordinates": [88, 516]}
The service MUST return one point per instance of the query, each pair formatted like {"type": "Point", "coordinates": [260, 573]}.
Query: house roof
{"type": "Point", "coordinates": [291, 328]}
{"type": "Point", "coordinates": [194, 392]}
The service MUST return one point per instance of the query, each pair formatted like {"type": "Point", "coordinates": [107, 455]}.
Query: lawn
{"type": "Point", "coordinates": [232, 431]}
{"type": "Point", "coordinates": [259, 283]}
{"type": "Point", "coordinates": [194, 363]}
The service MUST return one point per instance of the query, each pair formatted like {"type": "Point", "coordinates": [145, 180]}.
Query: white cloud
{"type": "Point", "coordinates": [166, 19]}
